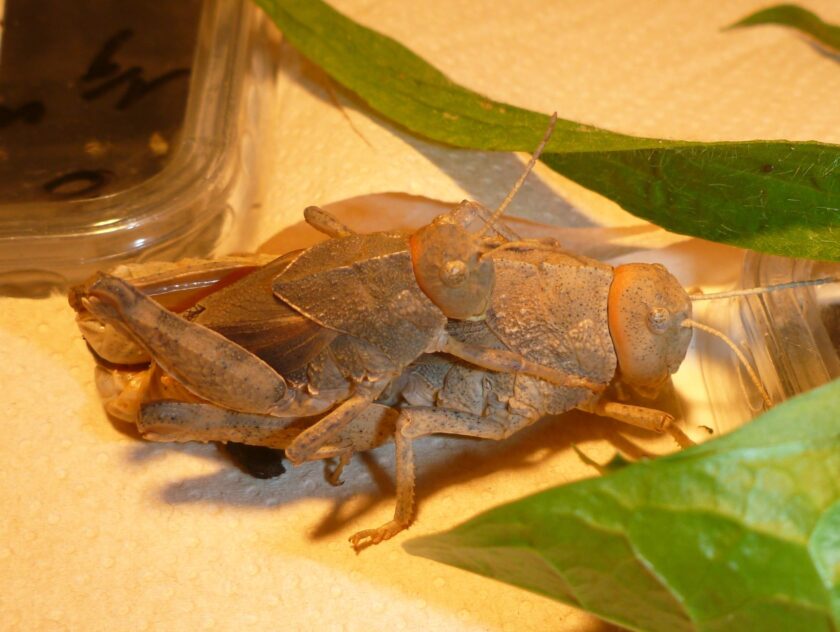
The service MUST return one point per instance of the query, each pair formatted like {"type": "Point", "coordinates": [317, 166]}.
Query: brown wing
{"type": "Point", "coordinates": [364, 285]}
{"type": "Point", "coordinates": [248, 313]}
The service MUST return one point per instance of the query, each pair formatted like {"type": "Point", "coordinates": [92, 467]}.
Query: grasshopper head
{"type": "Point", "coordinates": [646, 310]}
{"type": "Point", "coordinates": [449, 269]}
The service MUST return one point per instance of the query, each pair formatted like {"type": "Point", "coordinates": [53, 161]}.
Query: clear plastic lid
{"type": "Point", "coordinates": [117, 137]}
{"type": "Point", "coordinates": [791, 337]}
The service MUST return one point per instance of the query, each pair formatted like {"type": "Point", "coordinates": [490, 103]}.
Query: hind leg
{"type": "Point", "coordinates": [205, 362]}
{"type": "Point", "coordinates": [181, 421]}
{"type": "Point", "coordinates": [168, 420]}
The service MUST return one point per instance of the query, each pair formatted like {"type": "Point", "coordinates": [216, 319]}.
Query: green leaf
{"type": "Point", "coordinates": [798, 18]}
{"type": "Point", "coordinates": [774, 196]}
{"type": "Point", "coordinates": [742, 532]}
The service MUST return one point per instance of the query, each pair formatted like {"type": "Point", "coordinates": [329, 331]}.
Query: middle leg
{"type": "Point", "coordinates": [421, 421]}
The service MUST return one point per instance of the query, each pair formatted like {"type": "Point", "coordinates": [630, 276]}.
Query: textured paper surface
{"type": "Point", "coordinates": [103, 531]}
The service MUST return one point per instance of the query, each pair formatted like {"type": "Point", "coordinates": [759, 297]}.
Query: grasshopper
{"type": "Point", "coordinates": [366, 338]}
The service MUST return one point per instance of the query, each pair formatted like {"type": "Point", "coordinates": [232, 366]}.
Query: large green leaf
{"type": "Point", "coordinates": [775, 196]}
{"type": "Point", "coordinates": [798, 18]}
{"type": "Point", "coordinates": [740, 533]}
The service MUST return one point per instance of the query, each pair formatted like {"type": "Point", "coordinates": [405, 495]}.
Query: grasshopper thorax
{"type": "Point", "coordinates": [449, 269]}
{"type": "Point", "coordinates": [646, 310]}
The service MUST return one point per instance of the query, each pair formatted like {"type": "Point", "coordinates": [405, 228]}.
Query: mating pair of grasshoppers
{"type": "Point", "coordinates": [461, 327]}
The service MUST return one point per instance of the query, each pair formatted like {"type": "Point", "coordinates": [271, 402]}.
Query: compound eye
{"type": "Point", "coordinates": [658, 320]}
{"type": "Point", "coordinates": [453, 273]}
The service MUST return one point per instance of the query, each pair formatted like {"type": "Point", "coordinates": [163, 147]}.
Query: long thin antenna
{"type": "Point", "coordinates": [534, 157]}
{"type": "Point", "coordinates": [763, 290]}
{"type": "Point", "coordinates": [750, 371]}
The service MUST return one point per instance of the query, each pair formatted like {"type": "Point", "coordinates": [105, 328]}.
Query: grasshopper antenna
{"type": "Point", "coordinates": [763, 289]}
{"type": "Point", "coordinates": [534, 157]}
{"type": "Point", "coordinates": [768, 403]}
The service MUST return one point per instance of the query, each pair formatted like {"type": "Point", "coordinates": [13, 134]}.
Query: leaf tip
{"type": "Point", "coordinates": [433, 546]}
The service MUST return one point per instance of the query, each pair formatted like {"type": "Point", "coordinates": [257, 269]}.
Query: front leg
{"type": "Point", "coordinates": [641, 417]}
{"type": "Point", "coordinates": [501, 360]}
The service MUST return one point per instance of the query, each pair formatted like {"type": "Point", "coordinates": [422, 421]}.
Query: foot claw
{"type": "Point", "coordinates": [680, 437]}
{"type": "Point", "coordinates": [369, 537]}
{"type": "Point", "coordinates": [333, 474]}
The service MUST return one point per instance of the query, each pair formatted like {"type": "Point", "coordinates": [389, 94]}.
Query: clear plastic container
{"type": "Point", "coordinates": [791, 337]}
{"type": "Point", "coordinates": [121, 140]}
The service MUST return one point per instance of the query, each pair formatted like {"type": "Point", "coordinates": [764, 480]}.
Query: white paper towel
{"type": "Point", "coordinates": [103, 531]}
